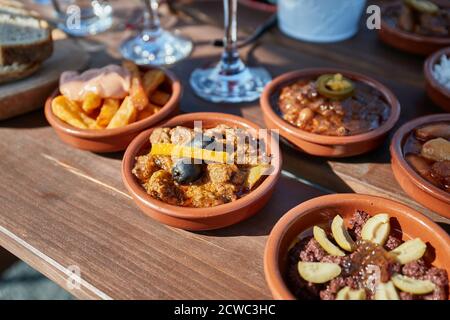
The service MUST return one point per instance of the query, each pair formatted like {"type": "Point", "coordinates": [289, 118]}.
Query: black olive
{"type": "Point", "coordinates": [185, 173]}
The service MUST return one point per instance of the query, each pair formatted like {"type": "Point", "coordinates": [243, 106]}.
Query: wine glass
{"type": "Point", "coordinates": [154, 45]}
{"type": "Point", "coordinates": [230, 80]}
{"type": "Point", "coordinates": [81, 18]}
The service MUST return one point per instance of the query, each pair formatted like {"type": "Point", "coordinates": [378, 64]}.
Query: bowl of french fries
{"type": "Point", "coordinates": [102, 110]}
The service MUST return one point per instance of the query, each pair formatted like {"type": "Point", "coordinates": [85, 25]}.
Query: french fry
{"type": "Point", "coordinates": [152, 80]}
{"type": "Point", "coordinates": [68, 111]}
{"type": "Point", "coordinates": [137, 92]}
{"type": "Point", "coordinates": [88, 121]}
{"type": "Point", "coordinates": [159, 97]}
{"type": "Point", "coordinates": [126, 114]}
{"type": "Point", "coordinates": [107, 112]}
{"type": "Point", "coordinates": [91, 102]}
{"type": "Point", "coordinates": [147, 112]}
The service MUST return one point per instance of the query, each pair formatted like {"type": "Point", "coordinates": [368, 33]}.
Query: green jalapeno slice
{"type": "Point", "coordinates": [335, 86]}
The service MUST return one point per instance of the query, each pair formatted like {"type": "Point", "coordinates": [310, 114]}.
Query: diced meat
{"type": "Point", "coordinates": [220, 172]}
{"type": "Point", "coordinates": [406, 296]}
{"type": "Point", "coordinates": [164, 162]}
{"type": "Point", "coordinates": [438, 276]}
{"type": "Point", "coordinates": [392, 243]}
{"type": "Point", "coordinates": [312, 251]}
{"type": "Point", "coordinates": [356, 223]}
{"type": "Point", "coordinates": [181, 135]}
{"type": "Point", "coordinates": [160, 135]}
{"type": "Point", "coordinates": [415, 269]}
{"type": "Point", "coordinates": [144, 167]}
{"type": "Point", "coordinates": [161, 186]}
{"type": "Point", "coordinates": [332, 289]}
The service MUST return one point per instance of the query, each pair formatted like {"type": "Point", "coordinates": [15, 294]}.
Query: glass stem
{"type": "Point", "coordinates": [231, 63]}
{"type": "Point", "coordinates": [152, 27]}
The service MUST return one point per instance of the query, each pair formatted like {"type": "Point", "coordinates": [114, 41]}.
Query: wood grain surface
{"type": "Point", "coordinates": [62, 207]}
{"type": "Point", "coordinates": [29, 94]}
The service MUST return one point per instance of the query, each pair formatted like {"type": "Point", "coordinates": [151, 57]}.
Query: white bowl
{"type": "Point", "coordinates": [320, 20]}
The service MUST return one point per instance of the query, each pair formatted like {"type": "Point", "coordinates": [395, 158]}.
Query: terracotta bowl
{"type": "Point", "coordinates": [411, 182]}
{"type": "Point", "coordinates": [112, 140]}
{"type": "Point", "coordinates": [436, 91]}
{"type": "Point", "coordinates": [406, 41]}
{"type": "Point", "coordinates": [199, 218]}
{"type": "Point", "coordinates": [406, 222]}
{"type": "Point", "coordinates": [322, 145]}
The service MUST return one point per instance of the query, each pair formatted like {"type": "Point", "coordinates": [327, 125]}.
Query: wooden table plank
{"type": "Point", "coordinates": [62, 207]}
{"type": "Point", "coordinates": [72, 206]}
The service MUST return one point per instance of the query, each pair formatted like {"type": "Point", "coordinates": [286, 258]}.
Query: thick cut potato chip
{"type": "Point", "coordinates": [91, 102]}
{"type": "Point", "coordinates": [107, 112]}
{"type": "Point", "coordinates": [137, 92]}
{"type": "Point", "coordinates": [152, 80]}
{"type": "Point", "coordinates": [90, 122]}
{"type": "Point", "coordinates": [125, 115]}
{"type": "Point", "coordinates": [68, 111]}
{"type": "Point", "coordinates": [147, 112]}
{"type": "Point", "coordinates": [159, 97]}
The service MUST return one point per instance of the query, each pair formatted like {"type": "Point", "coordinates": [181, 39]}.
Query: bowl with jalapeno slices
{"type": "Point", "coordinates": [330, 112]}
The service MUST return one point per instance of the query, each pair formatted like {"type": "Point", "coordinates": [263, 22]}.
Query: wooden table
{"type": "Point", "coordinates": [62, 207]}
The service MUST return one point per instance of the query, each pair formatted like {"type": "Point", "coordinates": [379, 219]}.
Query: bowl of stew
{"type": "Point", "coordinates": [202, 178]}
{"type": "Point", "coordinates": [416, 26]}
{"type": "Point", "coordinates": [330, 112]}
{"type": "Point", "coordinates": [420, 160]}
{"type": "Point", "coordinates": [357, 247]}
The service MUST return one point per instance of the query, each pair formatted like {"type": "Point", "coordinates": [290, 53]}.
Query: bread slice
{"type": "Point", "coordinates": [24, 38]}
{"type": "Point", "coordinates": [12, 3]}
{"type": "Point", "coordinates": [17, 71]}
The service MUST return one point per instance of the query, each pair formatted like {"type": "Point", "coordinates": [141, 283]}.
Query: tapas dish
{"type": "Point", "coordinates": [176, 172]}
{"type": "Point", "coordinates": [103, 109]}
{"type": "Point", "coordinates": [416, 26]}
{"type": "Point", "coordinates": [357, 247]}
{"type": "Point", "coordinates": [331, 113]}
{"type": "Point", "coordinates": [420, 152]}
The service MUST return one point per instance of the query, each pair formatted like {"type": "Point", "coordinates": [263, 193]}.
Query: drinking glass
{"type": "Point", "coordinates": [230, 80]}
{"type": "Point", "coordinates": [83, 17]}
{"type": "Point", "coordinates": [154, 45]}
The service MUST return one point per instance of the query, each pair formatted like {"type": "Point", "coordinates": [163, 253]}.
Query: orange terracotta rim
{"type": "Point", "coordinates": [430, 62]}
{"type": "Point", "coordinates": [165, 111]}
{"type": "Point", "coordinates": [273, 88]}
{"type": "Point", "coordinates": [272, 254]}
{"type": "Point", "coordinates": [139, 143]}
{"type": "Point", "coordinates": [396, 149]}
{"type": "Point", "coordinates": [412, 37]}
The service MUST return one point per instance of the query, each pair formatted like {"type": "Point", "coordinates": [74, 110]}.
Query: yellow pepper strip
{"type": "Point", "coordinates": [255, 174]}
{"type": "Point", "coordinates": [179, 151]}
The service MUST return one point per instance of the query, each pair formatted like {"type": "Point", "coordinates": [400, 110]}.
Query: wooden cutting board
{"type": "Point", "coordinates": [29, 94]}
